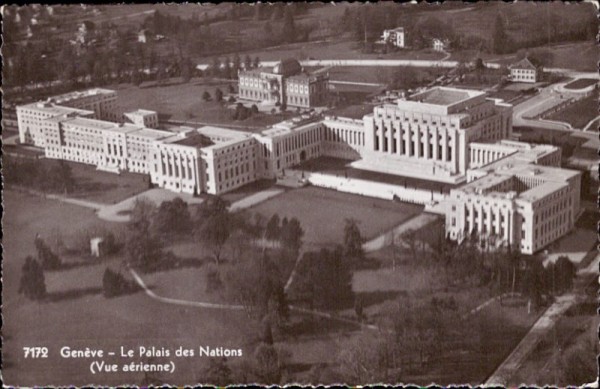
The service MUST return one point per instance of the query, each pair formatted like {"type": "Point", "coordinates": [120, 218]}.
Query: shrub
{"type": "Point", "coordinates": [115, 284]}
{"type": "Point", "coordinates": [32, 284]}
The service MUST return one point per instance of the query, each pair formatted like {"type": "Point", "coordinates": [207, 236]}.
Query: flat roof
{"type": "Point", "coordinates": [289, 126]}
{"type": "Point", "coordinates": [540, 191]}
{"type": "Point", "coordinates": [55, 109]}
{"type": "Point", "coordinates": [92, 123]}
{"type": "Point", "coordinates": [444, 95]}
{"type": "Point", "coordinates": [221, 132]}
{"type": "Point", "coordinates": [142, 112]}
{"type": "Point", "coordinates": [152, 133]}
{"type": "Point", "coordinates": [193, 139]}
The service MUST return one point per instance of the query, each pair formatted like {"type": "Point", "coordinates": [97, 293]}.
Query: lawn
{"type": "Point", "coordinates": [77, 315]}
{"type": "Point", "coordinates": [506, 95]}
{"type": "Point", "coordinates": [579, 113]}
{"type": "Point", "coordinates": [322, 213]}
{"type": "Point", "coordinates": [183, 102]}
{"type": "Point", "coordinates": [105, 187]}
{"type": "Point", "coordinates": [581, 83]}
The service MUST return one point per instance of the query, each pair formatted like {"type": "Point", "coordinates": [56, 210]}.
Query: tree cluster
{"type": "Point", "coordinates": [288, 232]}
{"type": "Point", "coordinates": [144, 245]}
{"type": "Point", "coordinates": [324, 279]}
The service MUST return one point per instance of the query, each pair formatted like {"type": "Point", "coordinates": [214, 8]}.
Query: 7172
{"type": "Point", "coordinates": [35, 352]}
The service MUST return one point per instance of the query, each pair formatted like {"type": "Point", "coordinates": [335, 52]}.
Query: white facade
{"type": "Point", "coordinates": [427, 136]}
{"type": "Point", "coordinates": [522, 199]}
{"type": "Point", "coordinates": [394, 36]}
{"type": "Point", "coordinates": [94, 103]}
{"type": "Point", "coordinates": [524, 71]}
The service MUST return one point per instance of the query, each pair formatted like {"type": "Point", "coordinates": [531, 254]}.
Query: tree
{"type": "Point", "coordinates": [291, 234]}
{"type": "Point", "coordinates": [115, 284]}
{"type": "Point", "coordinates": [47, 258]}
{"type": "Point", "coordinates": [363, 361]}
{"type": "Point", "coordinates": [206, 96]}
{"type": "Point", "coordinates": [256, 62]}
{"type": "Point", "coordinates": [353, 240]}
{"type": "Point", "coordinates": [215, 67]}
{"type": "Point", "coordinates": [218, 95]}
{"type": "Point", "coordinates": [499, 37]}
{"type": "Point", "coordinates": [254, 109]}
{"type": "Point", "coordinates": [247, 62]}
{"type": "Point", "coordinates": [230, 88]}
{"type": "Point", "coordinates": [144, 247]}
{"type": "Point", "coordinates": [256, 283]}
{"type": "Point", "coordinates": [214, 225]}
{"type": "Point", "coordinates": [186, 70]}
{"type": "Point", "coordinates": [173, 216]}
{"type": "Point", "coordinates": [273, 230]}
{"type": "Point", "coordinates": [267, 365]}
{"type": "Point", "coordinates": [288, 31]}
{"type": "Point", "coordinates": [324, 279]}
{"type": "Point", "coordinates": [32, 284]}
{"type": "Point", "coordinates": [565, 272]}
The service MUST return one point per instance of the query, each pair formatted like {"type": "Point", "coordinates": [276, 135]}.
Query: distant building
{"type": "Point", "coordinates": [286, 83]}
{"type": "Point", "coordinates": [440, 44]}
{"type": "Point", "coordinates": [525, 71]}
{"type": "Point", "coordinates": [394, 36]}
{"type": "Point", "coordinates": [142, 36]}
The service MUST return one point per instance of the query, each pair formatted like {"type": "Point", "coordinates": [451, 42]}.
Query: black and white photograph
{"type": "Point", "coordinates": [312, 193]}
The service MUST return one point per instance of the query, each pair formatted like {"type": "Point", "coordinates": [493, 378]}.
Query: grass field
{"type": "Point", "coordinates": [183, 102]}
{"type": "Point", "coordinates": [581, 83]}
{"type": "Point", "coordinates": [579, 113]}
{"type": "Point", "coordinates": [322, 213]}
{"type": "Point", "coordinates": [77, 315]}
{"type": "Point", "coordinates": [104, 187]}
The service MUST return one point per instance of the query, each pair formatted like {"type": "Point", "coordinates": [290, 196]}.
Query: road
{"type": "Point", "coordinates": [520, 111]}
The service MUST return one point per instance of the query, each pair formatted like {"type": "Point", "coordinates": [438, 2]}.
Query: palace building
{"type": "Point", "coordinates": [286, 82]}
{"type": "Point", "coordinates": [512, 193]}
{"type": "Point", "coordinates": [428, 135]}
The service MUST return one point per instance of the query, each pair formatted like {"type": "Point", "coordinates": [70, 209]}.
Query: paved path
{"type": "Point", "coordinates": [232, 307]}
{"type": "Point", "coordinates": [187, 303]}
{"type": "Point", "coordinates": [118, 212]}
{"type": "Point", "coordinates": [542, 327]}
{"type": "Point", "coordinates": [254, 199]}
{"type": "Point", "coordinates": [587, 126]}
{"type": "Point", "coordinates": [387, 238]}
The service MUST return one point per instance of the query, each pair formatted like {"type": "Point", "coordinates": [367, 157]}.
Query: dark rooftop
{"type": "Point", "coordinates": [197, 140]}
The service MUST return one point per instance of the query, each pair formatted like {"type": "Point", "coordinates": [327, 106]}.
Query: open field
{"type": "Point", "coordinates": [77, 315]}
{"type": "Point", "coordinates": [105, 187]}
{"type": "Point", "coordinates": [322, 213]}
{"type": "Point", "coordinates": [579, 113]}
{"type": "Point", "coordinates": [581, 83]}
{"type": "Point", "coordinates": [183, 102]}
